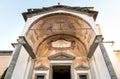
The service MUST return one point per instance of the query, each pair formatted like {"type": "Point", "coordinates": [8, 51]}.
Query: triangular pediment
{"type": "Point", "coordinates": [82, 67]}
{"type": "Point", "coordinates": [41, 67]}
{"type": "Point", "coordinates": [61, 56]}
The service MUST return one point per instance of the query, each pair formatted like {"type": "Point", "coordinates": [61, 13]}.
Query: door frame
{"type": "Point", "coordinates": [61, 64]}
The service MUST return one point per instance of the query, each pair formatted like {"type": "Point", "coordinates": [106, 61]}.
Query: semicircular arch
{"type": "Point", "coordinates": [83, 30]}
{"type": "Point", "coordinates": [79, 46]}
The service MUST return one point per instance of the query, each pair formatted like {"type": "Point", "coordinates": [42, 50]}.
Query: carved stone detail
{"type": "Point", "coordinates": [41, 67]}
{"type": "Point", "coordinates": [61, 56]}
{"type": "Point", "coordinates": [82, 67]}
{"type": "Point", "coordinates": [61, 44]}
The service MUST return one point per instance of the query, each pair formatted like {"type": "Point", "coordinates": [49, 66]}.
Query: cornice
{"type": "Point", "coordinates": [85, 10]}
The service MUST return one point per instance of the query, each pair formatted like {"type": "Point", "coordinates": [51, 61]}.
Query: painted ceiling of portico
{"type": "Point", "coordinates": [60, 26]}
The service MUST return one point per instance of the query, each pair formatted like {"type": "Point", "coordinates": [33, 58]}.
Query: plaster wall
{"type": "Point", "coordinates": [21, 65]}
{"type": "Point", "coordinates": [113, 58]}
{"type": "Point", "coordinates": [4, 61]}
{"type": "Point", "coordinates": [117, 54]}
{"type": "Point", "coordinates": [28, 66]}
{"type": "Point", "coordinates": [100, 64]}
{"type": "Point", "coordinates": [94, 69]}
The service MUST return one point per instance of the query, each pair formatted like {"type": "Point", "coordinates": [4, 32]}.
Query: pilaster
{"type": "Point", "coordinates": [108, 62]}
{"type": "Point", "coordinates": [13, 61]}
{"type": "Point", "coordinates": [21, 42]}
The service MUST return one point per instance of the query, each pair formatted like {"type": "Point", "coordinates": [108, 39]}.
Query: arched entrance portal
{"type": "Point", "coordinates": [61, 39]}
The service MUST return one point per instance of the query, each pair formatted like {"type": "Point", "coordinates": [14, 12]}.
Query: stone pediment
{"type": "Point", "coordinates": [41, 67]}
{"type": "Point", "coordinates": [61, 56]}
{"type": "Point", "coordinates": [87, 10]}
{"type": "Point", "coordinates": [82, 67]}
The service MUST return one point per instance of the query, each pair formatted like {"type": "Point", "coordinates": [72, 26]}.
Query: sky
{"type": "Point", "coordinates": [12, 22]}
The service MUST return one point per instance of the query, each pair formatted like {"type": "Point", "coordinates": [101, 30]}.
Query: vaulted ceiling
{"type": "Point", "coordinates": [61, 28]}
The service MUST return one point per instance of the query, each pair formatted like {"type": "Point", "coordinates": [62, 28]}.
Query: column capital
{"type": "Point", "coordinates": [94, 45]}
{"type": "Point", "coordinates": [22, 40]}
{"type": "Point", "coordinates": [98, 39]}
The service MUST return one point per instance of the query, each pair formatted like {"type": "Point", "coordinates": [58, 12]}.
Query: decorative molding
{"type": "Point", "coordinates": [86, 10]}
{"type": "Point", "coordinates": [70, 44]}
{"type": "Point", "coordinates": [61, 56]}
{"type": "Point", "coordinates": [82, 67]}
{"type": "Point", "coordinates": [41, 67]}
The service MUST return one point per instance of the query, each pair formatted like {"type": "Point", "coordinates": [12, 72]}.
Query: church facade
{"type": "Point", "coordinates": [62, 42]}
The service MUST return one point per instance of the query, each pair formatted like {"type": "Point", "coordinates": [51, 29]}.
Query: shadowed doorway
{"type": "Point", "coordinates": [61, 72]}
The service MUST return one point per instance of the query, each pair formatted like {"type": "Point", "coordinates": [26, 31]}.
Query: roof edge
{"type": "Point", "coordinates": [6, 51]}
{"type": "Point", "coordinates": [31, 11]}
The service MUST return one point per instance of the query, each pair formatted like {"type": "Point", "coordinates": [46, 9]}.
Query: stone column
{"type": "Point", "coordinates": [13, 61]}
{"type": "Point", "coordinates": [108, 62]}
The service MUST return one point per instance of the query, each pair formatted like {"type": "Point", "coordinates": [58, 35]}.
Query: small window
{"type": "Point", "coordinates": [83, 77]}
{"type": "Point", "coordinates": [40, 76]}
